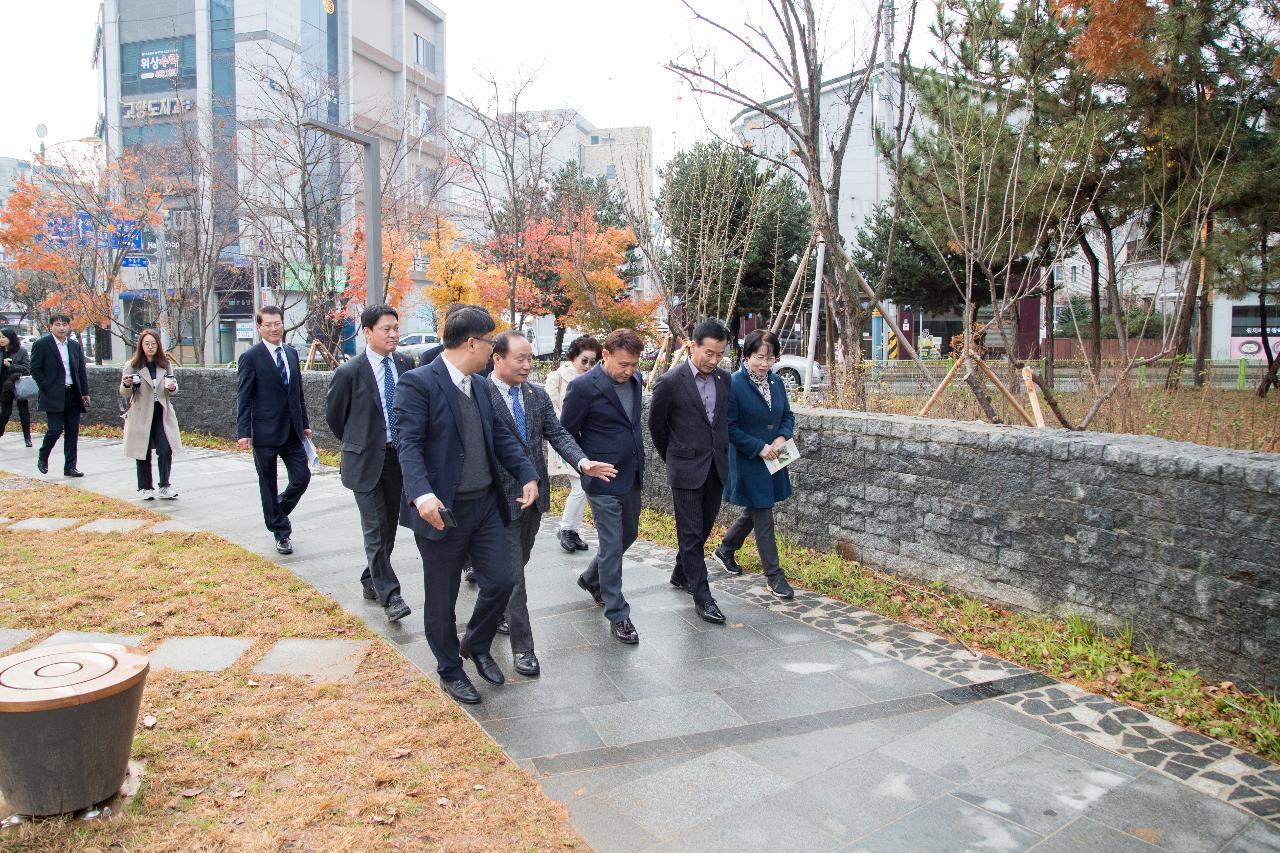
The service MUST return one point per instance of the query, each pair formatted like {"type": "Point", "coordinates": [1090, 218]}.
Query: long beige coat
{"type": "Point", "coordinates": [557, 383]}
{"type": "Point", "coordinates": [137, 418]}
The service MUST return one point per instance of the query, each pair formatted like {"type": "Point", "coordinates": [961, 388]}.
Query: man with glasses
{"type": "Point", "coordinates": [271, 417]}
{"type": "Point", "coordinates": [452, 451]}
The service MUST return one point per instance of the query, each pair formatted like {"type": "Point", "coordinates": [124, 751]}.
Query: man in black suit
{"type": "Point", "coordinates": [271, 416]}
{"type": "Point", "coordinates": [57, 366]}
{"type": "Point", "coordinates": [602, 412]}
{"type": "Point", "coordinates": [451, 452]}
{"type": "Point", "coordinates": [526, 411]}
{"type": "Point", "coordinates": [359, 409]}
{"type": "Point", "coordinates": [689, 422]}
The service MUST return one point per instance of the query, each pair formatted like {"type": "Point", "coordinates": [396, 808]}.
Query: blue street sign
{"type": "Point", "coordinates": [135, 261]}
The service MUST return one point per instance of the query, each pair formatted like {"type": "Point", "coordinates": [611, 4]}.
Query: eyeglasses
{"type": "Point", "coordinates": [762, 358]}
{"type": "Point", "coordinates": [488, 341]}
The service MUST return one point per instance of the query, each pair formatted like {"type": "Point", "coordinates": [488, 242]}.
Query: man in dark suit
{"type": "Point", "coordinates": [688, 419]}
{"type": "Point", "coordinates": [526, 411]}
{"type": "Point", "coordinates": [602, 412]}
{"type": "Point", "coordinates": [57, 366]}
{"type": "Point", "coordinates": [451, 452]}
{"type": "Point", "coordinates": [359, 410]}
{"type": "Point", "coordinates": [271, 416]}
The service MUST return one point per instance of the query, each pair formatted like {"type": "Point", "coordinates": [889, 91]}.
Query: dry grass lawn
{"type": "Point", "coordinates": [254, 762]}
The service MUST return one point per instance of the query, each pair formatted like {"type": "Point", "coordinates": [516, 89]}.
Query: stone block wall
{"type": "Point", "coordinates": [1180, 541]}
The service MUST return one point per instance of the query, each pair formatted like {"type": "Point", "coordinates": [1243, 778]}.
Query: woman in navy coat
{"type": "Point", "coordinates": [760, 422]}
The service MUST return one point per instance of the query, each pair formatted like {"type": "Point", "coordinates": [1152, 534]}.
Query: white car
{"type": "Point", "coordinates": [790, 369]}
{"type": "Point", "coordinates": [415, 343]}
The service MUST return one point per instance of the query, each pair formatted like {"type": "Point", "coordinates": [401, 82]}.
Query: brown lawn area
{"type": "Point", "coordinates": [241, 762]}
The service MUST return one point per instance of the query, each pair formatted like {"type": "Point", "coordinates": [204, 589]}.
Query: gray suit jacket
{"type": "Point", "coordinates": [353, 410]}
{"type": "Point", "coordinates": [541, 424]}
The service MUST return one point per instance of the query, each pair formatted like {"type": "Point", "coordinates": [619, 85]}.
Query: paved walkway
{"type": "Point", "coordinates": [808, 725]}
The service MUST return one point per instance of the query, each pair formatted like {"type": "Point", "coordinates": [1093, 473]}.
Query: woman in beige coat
{"type": "Point", "coordinates": [148, 386]}
{"type": "Point", "coordinates": [583, 353]}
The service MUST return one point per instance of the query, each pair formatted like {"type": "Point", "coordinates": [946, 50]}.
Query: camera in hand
{"type": "Point", "coordinates": [137, 379]}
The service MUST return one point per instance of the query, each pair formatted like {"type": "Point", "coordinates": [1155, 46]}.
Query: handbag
{"type": "Point", "coordinates": [26, 389]}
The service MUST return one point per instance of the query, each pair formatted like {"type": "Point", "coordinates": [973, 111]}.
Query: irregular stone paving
{"type": "Point", "coordinates": [1208, 765]}
{"type": "Point", "coordinates": [198, 654]}
{"type": "Point", "coordinates": [44, 525]}
{"type": "Point", "coordinates": [100, 525]}
{"type": "Point", "coordinates": [112, 525]}
{"type": "Point", "coordinates": [10, 637]}
{"type": "Point", "coordinates": [326, 660]}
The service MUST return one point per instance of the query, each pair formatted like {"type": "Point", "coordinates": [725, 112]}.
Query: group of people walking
{"type": "Point", "coordinates": [461, 448]}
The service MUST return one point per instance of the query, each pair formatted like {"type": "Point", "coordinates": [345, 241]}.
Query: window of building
{"type": "Point", "coordinates": [426, 118]}
{"type": "Point", "coordinates": [424, 53]}
{"type": "Point", "coordinates": [1075, 273]}
{"type": "Point", "coordinates": [610, 172]}
{"type": "Point", "coordinates": [181, 220]}
{"type": "Point", "coordinates": [595, 140]}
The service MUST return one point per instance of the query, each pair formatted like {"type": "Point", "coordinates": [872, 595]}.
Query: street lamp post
{"type": "Point", "coordinates": [372, 203]}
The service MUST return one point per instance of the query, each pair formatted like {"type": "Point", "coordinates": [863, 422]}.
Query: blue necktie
{"type": "Point", "coordinates": [517, 409]}
{"type": "Point", "coordinates": [389, 392]}
{"type": "Point", "coordinates": [284, 372]}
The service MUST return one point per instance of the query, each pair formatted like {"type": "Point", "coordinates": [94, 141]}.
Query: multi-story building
{"type": "Point", "coordinates": [223, 73]}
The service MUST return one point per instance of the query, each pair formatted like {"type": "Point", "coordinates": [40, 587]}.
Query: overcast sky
{"type": "Point", "coordinates": [604, 58]}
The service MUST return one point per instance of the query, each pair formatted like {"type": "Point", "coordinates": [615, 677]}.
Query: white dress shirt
{"type": "Point", "coordinates": [271, 349]}
{"type": "Point", "coordinates": [463, 383]}
{"type": "Point", "coordinates": [376, 361]}
{"type": "Point", "coordinates": [66, 361]}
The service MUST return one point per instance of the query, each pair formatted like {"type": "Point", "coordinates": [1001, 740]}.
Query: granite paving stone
{"type": "Point", "coordinates": [1257, 837]}
{"type": "Point", "coordinates": [172, 526]}
{"type": "Point", "coordinates": [44, 525]}
{"type": "Point", "coordinates": [1169, 814]}
{"type": "Point", "coordinates": [199, 654]}
{"type": "Point", "coordinates": [752, 827]}
{"type": "Point", "coordinates": [63, 637]}
{"type": "Point", "coordinates": [793, 697]}
{"type": "Point", "coordinates": [963, 745]}
{"type": "Point", "coordinates": [623, 723]}
{"type": "Point", "coordinates": [10, 637]}
{"type": "Point", "coordinates": [1083, 834]}
{"type": "Point", "coordinates": [112, 525]}
{"type": "Point", "coordinates": [549, 733]}
{"type": "Point", "coordinates": [947, 824]}
{"type": "Point", "coordinates": [323, 660]}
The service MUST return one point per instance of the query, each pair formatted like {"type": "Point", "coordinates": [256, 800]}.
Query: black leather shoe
{"type": "Point", "coordinates": [594, 589]}
{"type": "Point", "coordinates": [463, 690]}
{"type": "Point", "coordinates": [726, 559]}
{"type": "Point", "coordinates": [27, 440]}
{"type": "Point", "coordinates": [679, 581]}
{"type": "Point", "coordinates": [779, 587]}
{"type": "Point", "coordinates": [72, 472]}
{"type": "Point", "coordinates": [396, 609]}
{"type": "Point", "coordinates": [469, 574]}
{"type": "Point", "coordinates": [527, 664]}
{"type": "Point", "coordinates": [368, 593]}
{"type": "Point", "coordinates": [709, 612]}
{"type": "Point", "coordinates": [485, 665]}
{"type": "Point", "coordinates": [42, 466]}
{"type": "Point", "coordinates": [566, 541]}
{"type": "Point", "coordinates": [625, 632]}
{"type": "Point", "coordinates": [504, 628]}
{"type": "Point", "coordinates": [283, 546]}
{"type": "Point", "coordinates": [577, 541]}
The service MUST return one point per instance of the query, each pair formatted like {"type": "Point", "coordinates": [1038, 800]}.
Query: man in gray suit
{"type": "Point", "coordinates": [359, 410]}
{"type": "Point", "coordinates": [526, 410]}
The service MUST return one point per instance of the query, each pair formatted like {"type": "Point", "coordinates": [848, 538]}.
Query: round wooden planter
{"type": "Point", "coordinates": [67, 717]}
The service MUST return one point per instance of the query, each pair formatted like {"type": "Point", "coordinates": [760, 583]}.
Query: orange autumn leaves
{"type": "Point", "coordinates": [1113, 34]}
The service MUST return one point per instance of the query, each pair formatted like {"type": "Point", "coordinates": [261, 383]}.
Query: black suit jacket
{"type": "Point", "coordinates": [47, 370]}
{"type": "Point", "coordinates": [540, 424]}
{"type": "Point", "coordinates": [431, 353]}
{"type": "Point", "coordinates": [265, 408]}
{"type": "Point", "coordinates": [593, 414]}
{"type": "Point", "coordinates": [684, 438]}
{"type": "Point", "coordinates": [429, 441]}
{"type": "Point", "coordinates": [353, 410]}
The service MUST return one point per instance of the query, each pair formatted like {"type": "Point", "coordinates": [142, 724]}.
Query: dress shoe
{"type": "Point", "coordinates": [42, 465]}
{"type": "Point", "coordinates": [625, 632]}
{"type": "Point", "coordinates": [679, 581]}
{"type": "Point", "coordinates": [566, 541]}
{"type": "Point", "coordinates": [504, 628]}
{"type": "Point", "coordinates": [27, 440]}
{"type": "Point", "coordinates": [396, 609]}
{"type": "Point", "coordinates": [72, 472]}
{"type": "Point", "coordinates": [577, 541]}
{"type": "Point", "coordinates": [709, 612]}
{"type": "Point", "coordinates": [283, 546]}
{"type": "Point", "coordinates": [592, 588]}
{"type": "Point", "coordinates": [462, 689]}
{"type": "Point", "coordinates": [779, 587]}
{"type": "Point", "coordinates": [726, 559]}
{"type": "Point", "coordinates": [368, 593]}
{"type": "Point", "coordinates": [527, 664]}
{"type": "Point", "coordinates": [485, 665]}
{"type": "Point", "coordinates": [469, 574]}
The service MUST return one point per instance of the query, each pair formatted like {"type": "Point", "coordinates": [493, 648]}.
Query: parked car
{"type": "Point", "coordinates": [415, 343]}
{"type": "Point", "coordinates": [790, 369]}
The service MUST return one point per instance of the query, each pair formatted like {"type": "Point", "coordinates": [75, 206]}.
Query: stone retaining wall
{"type": "Point", "coordinates": [1179, 540]}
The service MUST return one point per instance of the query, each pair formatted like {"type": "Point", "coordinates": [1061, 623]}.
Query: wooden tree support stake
{"type": "Point", "coordinates": [942, 386]}
{"type": "Point", "coordinates": [1034, 397]}
{"type": "Point", "coordinates": [1008, 395]}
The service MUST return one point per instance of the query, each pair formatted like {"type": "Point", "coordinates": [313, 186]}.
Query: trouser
{"type": "Point", "coordinates": [520, 535]}
{"type": "Point", "coordinates": [24, 413]}
{"type": "Point", "coordinates": [617, 519]}
{"type": "Point", "coordinates": [761, 519]}
{"type": "Point", "coordinates": [159, 442]}
{"type": "Point", "coordinates": [379, 511]}
{"type": "Point", "coordinates": [481, 534]}
{"type": "Point", "coordinates": [276, 507]}
{"type": "Point", "coordinates": [67, 421]}
{"type": "Point", "coordinates": [696, 511]}
{"type": "Point", "coordinates": [574, 506]}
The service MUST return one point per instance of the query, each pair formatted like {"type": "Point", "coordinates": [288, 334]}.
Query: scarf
{"type": "Point", "coordinates": [762, 385]}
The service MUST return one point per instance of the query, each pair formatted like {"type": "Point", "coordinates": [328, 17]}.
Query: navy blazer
{"type": "Point", "coordinates": [429, 441]}
{"type": "Point", "coordinates": [50, 377]}
{"type": "Point", "coordinates": [265, 408]}
{"type": "Point", "coordinates": [592, 413]}
{"type": "Point", "coordinates": [752, 425]}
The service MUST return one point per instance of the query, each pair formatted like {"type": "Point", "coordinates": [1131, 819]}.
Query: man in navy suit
{"type": "Point", "coordinates": [451, 452]}
{"type": "Point", "coordinates": [57, 366]}
{"type": "Point", "coordinates": [271, 416]}
{"type": "Point", "coordinates": [602, 413]}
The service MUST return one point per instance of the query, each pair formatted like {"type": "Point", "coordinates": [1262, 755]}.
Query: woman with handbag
{"type": "Point", "coordinates": [148, 386]}
{"type": "Point", "coordinates": [16, 364]}
{"type": "Point", "coordinates": [583, 353]}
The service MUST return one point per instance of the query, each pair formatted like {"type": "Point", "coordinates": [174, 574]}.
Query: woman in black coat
{"type": "Point", "coordinates": [16, 364]}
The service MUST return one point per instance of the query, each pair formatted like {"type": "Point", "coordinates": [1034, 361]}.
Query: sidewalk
{"type": "Point", "coordinates": [810, 724]}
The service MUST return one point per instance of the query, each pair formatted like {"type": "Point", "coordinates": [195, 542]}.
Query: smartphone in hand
{"type": "Point", "coordinates": [446, 515]}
